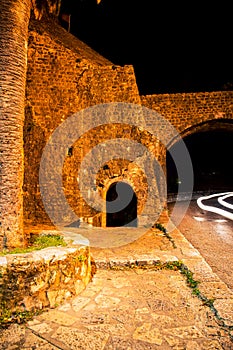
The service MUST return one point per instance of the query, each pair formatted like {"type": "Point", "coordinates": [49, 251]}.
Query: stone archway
{"type": "Point", "coordinates": [121, 205]}
{"type": "Point", "coordinates": [209, 145]}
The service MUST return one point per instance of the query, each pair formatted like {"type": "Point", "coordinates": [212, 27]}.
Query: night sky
{"type": "Point", "coordinates": [173, 46]}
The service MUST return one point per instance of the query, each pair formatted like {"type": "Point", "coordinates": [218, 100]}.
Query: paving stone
{"type": "Point", "coordinates": [90, 317]}
{"type": "Point", "coordinates": [122, 282]}
{"type": "Point", "coordinates": [192, 345]}
{"type": "Point", "coordinates": [79, 302]}
{"type": "Point", "coordinates": [225, 309]}
{"type": "Point", "coordinates": [125, 314]}
{"type": "Point", "coordinates": [14, 336]}
{"type": "Point", "coordinates": [117, 343]}
{"type": "Point", "coordinates": [160, 305]}
{"type": "Point", "coordinates": [138, 309]}
{"type": "Point", "coordinates": [90, 307]}
{"type": "Point", "coordinates": [88, 293]}
{"type": "Point", "coordinates": [61, 318]}
{"type": "Point", "coordinates": [65, 307]}
{"type": "Point", "coordinates": [41, 328]}
{"type": "Point", "coordinates": [212, 345]}
{"type": "Point", "coordinates": [149, 334]}
{"type": "Point", "coordinates": [185, 332]}
{"type": "Point", "coordinates": [34, 342]}
{"type": "Point", "coordinates": [106, 302]}
{"type": "Point", "coordinates": [216, 290]}
{"type": "Point", "coordinates": [112, 329]}
{"type": "Point", "coordinates": [76, 340]}
{"type": "Point", "coordinates": [164, 321]}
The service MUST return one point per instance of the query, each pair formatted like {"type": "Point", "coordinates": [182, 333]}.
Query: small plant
{"type": "Point", "coordinates": [166, 234]}
{"type": "Point", "coordinates": [20, 317]}
{"type": "Point", "coordinates": [160, 227]}
{"type": "Point", "coordinates": [38, 243]}
{"type": "Point", "coordinates": [191, 282]}
{"type": "Point", "coordinates": [81, 258]}
{"type": "Point", "coordinates": [45, 241]}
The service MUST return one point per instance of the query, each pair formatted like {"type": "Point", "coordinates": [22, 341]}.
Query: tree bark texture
{"type": "Point", "coordinates": [14, 20]}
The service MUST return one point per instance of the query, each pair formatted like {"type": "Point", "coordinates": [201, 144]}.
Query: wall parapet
{"type": "Point", "coordinates": [43, 279]}
{"type": "Point", "coordinates": [188, 110]}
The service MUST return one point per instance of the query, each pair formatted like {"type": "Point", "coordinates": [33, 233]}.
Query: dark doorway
{"type": "Point", "coordinates": [121, 205]}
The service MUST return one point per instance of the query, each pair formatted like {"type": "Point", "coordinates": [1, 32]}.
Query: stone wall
{"type": "Point", "coordinates": [114, 169]}
{"type": "Point", "coordinates": [192, 112]}
{"type": "Point", "coordinates": [64, 76]}
{"type": "Point", "coordinates": [43, 278]}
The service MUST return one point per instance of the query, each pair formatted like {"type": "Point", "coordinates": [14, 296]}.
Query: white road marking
{"type": "Point", "coordinates": [198, 218]}
{"type": "Point", "coordinates": [224, 203]}
{"type": "Point", "coordinates": [221, 200]}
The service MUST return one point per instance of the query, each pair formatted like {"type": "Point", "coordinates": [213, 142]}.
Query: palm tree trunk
{"type": "Point", "coordinates": [14, 22]}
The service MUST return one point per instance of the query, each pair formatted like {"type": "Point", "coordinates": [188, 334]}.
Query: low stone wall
{"type": "Point", "coordinates": [43, 278]}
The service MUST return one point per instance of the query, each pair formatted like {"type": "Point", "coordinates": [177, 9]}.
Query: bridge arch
{"type": "Point", "coordinates": [209, 144]}
{"type": "Point", "coordinates": [223, 124]}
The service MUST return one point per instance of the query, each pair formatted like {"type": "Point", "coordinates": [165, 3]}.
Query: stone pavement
{"type": "Point", "coordinates": [132, 304]}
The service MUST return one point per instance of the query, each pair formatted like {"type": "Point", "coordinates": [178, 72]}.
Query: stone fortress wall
{"type": "Point", "coordinates": [64, 77]}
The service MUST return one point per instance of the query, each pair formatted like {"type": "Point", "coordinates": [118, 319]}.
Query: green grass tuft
{"type": "Point", "coordinates": [38, 243]}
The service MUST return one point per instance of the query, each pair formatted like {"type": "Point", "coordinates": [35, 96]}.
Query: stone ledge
{"type": "Point", "coordinates": [43, 278]}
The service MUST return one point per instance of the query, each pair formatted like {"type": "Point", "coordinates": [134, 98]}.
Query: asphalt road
{"type": "Point", "coordinates": [211, 234]}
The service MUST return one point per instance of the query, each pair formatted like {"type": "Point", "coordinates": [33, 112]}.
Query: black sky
{"type": "Point", "coordinates": [173, 46]}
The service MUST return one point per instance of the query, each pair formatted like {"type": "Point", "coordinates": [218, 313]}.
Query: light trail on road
{"type": "Point", "coordinates": [221, 200]}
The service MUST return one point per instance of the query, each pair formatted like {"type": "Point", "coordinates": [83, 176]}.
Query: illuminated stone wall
{"type": "Point", "coordinates": [192, 112]}
{"type": "Point", "coordinates": [43, 278]}
{"type": "Point", "coordinates": [64, 77]}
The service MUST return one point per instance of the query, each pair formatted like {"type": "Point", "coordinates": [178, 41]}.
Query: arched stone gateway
{"type": "Point", "coordinates": [121, 205]}
{"type": "Point", "coordinates": [209, 145]}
